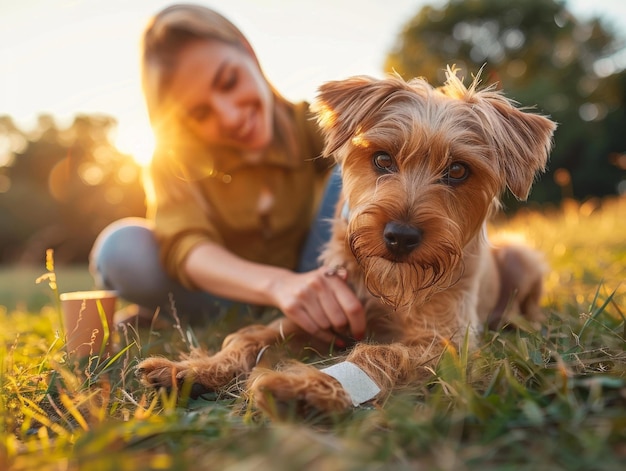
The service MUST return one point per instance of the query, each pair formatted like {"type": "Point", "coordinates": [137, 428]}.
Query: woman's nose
{"type": "Point", "coordinates": [229, 115]}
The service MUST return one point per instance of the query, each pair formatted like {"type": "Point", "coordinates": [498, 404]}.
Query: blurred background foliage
{"type": "Point", "coordinates": [543, 57]}
{"type": "Point", "coordinates": [59, 187]}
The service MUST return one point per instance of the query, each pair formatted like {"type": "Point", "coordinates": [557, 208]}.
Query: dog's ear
{"type": "Point", "coordinates": [523, 141]}
{"type": "Point", "coordinates": [342, 105]}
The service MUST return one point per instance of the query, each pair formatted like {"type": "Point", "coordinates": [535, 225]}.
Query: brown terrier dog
{"type": "Point", "coordinates": [422, 169]}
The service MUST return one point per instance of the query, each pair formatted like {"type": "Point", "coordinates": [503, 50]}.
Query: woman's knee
{"type": "Point", "coordinates": [126, 252]}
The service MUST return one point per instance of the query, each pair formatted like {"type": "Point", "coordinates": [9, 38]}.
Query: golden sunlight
{"type": "Point", "coordinates": [137, 141]}
{"type": "Point", "coordinates": [359, 141]}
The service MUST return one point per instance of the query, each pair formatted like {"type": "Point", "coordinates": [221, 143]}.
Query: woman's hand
{"type": "Point", "coordinates": [323, 306]}
{"type": "Point", "coordinates": [321, 303]}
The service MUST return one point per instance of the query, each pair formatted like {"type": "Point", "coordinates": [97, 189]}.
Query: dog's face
{"type": "Point", "coordinates": [422, 167]}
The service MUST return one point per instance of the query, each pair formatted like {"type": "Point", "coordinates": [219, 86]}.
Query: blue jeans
{"type": "Point", "coordinates": [125, 258]}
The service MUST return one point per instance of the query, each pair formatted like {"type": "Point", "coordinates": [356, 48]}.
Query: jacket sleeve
{"type": "Point", "coordinates": [181, 222]}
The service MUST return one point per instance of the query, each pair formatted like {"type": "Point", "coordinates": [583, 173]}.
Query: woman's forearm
{"type": "Point", "coordinates": [322, 305]}
{"type": "Point", "coordinates": [218, 271]}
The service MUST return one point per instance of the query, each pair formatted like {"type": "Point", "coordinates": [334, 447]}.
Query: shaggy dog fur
{"type": "Point", "coordinates": [423, 169]}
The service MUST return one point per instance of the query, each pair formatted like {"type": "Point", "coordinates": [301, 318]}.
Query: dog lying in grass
{"type": "Point", "coordinates": [423, 169]}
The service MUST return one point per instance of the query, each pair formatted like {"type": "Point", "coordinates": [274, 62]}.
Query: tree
{"type": "Point", "coordinates": [60, 187]}
{"type": "Point", "coordinates": [540, 55]}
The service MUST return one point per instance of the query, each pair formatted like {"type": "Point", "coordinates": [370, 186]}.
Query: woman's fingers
{"type": "Point", "coordinates": [346, 308]}
{"type": "Point", "coordinates": [310, 323]}
{"type": "Point", "coordinates": [323, 305]}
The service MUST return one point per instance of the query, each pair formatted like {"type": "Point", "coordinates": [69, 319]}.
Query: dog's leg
{"type": "Point", "coordinates": [301, 389]}
{"type": "Point", "coordinates": [521, 272]}
{"type": "Point", "coordinates": [396, 365]}
{"type": "Point", "coordinates": [296, 390]}
{"type": "Point", "coordinates": [236, 358]}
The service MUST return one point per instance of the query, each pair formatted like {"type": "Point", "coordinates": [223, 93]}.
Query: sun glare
{"type": "Point", "coordinates": [136, 140]}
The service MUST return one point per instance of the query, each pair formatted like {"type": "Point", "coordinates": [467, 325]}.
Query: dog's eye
{"type": "Point", "coordinates": [384, 162]}
{"type": "Point", "coordinates": [456, 173]}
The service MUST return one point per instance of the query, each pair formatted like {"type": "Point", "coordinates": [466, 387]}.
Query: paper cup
{"type": "Point", "coordinates": [84, 329]}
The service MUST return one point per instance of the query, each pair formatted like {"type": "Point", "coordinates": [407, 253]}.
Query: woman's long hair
{"type": "Point", "coordinates": [166, 35]}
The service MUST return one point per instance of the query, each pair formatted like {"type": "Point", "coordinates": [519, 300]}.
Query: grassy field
{"type": "Point", "coordinates": [552, 398]}
{"type": "Point", "coordinates": [18, 289]}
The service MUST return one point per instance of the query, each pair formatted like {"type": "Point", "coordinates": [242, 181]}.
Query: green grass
{"type": "Point", "coordinates": [547, 399]}
{"type": "Point", "coordinates": [18, 289]}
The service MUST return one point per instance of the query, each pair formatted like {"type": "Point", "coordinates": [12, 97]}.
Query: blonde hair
{"type": "Point", "coordinates": [165, 37]}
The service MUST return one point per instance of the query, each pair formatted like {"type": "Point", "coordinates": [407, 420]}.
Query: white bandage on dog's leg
{"type": "Point", "coordinates": [354, 380]}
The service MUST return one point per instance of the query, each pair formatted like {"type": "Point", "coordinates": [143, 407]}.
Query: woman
{"type": "Point", "coordinates": [237, 185]}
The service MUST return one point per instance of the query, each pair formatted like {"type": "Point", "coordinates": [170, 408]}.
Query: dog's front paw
{"type": "Point", "coordinates": [160, 372]}
{"type": "Point", "coordinates": [157, 372]}
{"type": "Point", "coordinates": [297, 390]}
{"type": "Point", "coordinates": [203, 372]}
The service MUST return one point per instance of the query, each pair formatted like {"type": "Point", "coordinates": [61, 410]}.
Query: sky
{"type": "Point", "coordinates": [65, 57]}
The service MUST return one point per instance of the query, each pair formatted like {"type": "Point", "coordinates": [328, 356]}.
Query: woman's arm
{"type": "Point", "coordinates": [321, 305]}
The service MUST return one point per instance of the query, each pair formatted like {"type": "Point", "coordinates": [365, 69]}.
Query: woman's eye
{"type": "Point", "coordinates": [456, 173]}
{"type": "Point", "coordinates": [384, 162]}
{"type": "Point", "coordinates": [230, 80]}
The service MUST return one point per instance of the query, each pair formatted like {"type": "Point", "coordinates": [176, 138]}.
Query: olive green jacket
{"type": "Point", "coordinates": [260, 211]}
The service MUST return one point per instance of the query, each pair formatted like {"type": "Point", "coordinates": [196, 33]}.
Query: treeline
{"type": "Point", "coordinates": [543, 57]}
{"type": "Point", "coordinates": [60, 187]}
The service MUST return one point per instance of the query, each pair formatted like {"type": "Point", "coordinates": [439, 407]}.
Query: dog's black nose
{"type": "Point", "coordinates": [401, 239]}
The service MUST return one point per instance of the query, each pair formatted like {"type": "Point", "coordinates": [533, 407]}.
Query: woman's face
{"type": "Point", "coordinates": [220, 94]}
